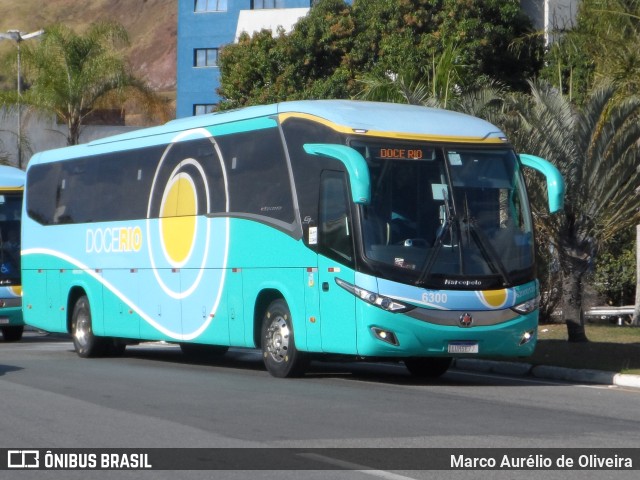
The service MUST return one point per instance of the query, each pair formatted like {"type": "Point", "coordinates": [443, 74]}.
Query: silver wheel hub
{"type": "Point", "coordinates": [82, 330]}
{"type": "Point", "coordinates": [277, 339]}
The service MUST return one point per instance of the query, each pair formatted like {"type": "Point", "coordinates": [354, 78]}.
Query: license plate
{"type": "Point", "coordinates": [463, 347]}
{"type": "Point", "coordinates": [4, 320]}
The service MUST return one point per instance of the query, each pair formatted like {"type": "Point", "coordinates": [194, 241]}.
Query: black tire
{"type": "Point", "coordinates": [428, 367]}
{"type": "Point", "coordinates": [86, 343]}
{"type": "Point", "coordinates": [12, 334]}
{"type": "Point", "coordinates": [279, 352]}
{"type": "Point", "coordinates": [202, 352]}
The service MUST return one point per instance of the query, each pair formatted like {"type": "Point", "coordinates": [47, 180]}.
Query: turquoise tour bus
{"type": "Point", "coordinates": [11, 191]}
{"type": "Point", "coordinates": [305, 229]}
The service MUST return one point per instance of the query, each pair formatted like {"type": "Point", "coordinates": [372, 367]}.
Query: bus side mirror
{"type": "Point", "coordinates": [355, 164]}
{"type": "Point", "coordinates": [555, 182]}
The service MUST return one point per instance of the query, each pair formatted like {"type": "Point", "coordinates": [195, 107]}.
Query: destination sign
{"type": "Point", "coordinates": [405, 153]}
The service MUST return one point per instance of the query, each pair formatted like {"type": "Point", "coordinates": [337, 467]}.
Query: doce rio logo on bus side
{"type": "Point", "coordinates": [113, 240]}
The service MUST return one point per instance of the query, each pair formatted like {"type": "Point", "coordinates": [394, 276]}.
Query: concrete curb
{"type": "Point", "coordinates": [626, 380]}
{"type": "Point", "coordinates": [548, 372]}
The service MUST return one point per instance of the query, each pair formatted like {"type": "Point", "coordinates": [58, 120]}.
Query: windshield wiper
{"type": "Point", "coordinates": [479, 237]}
{"type": "Point", "coordinates": [486, 248]}
{"type": "Point", "coordinates": [437, 244]}
{"type": "Point", "coordinates": [488, 252]}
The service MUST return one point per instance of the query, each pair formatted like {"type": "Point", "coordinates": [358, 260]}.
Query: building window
{"type": "Point", "coordinates": [205, 57]}
{"type": "Point", "coordinates": [262, 4]}
{"type": "Point", "coordinates": [203, 108]}
{"type": "Point", "coordinates": [210, 6]}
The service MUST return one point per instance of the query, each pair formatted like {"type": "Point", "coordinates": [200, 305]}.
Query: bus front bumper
{"type": "Point", "coordinates": [386, 334]}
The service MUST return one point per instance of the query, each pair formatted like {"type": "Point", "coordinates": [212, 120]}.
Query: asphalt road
{"type": "Point", "coordinates": [154, 397]}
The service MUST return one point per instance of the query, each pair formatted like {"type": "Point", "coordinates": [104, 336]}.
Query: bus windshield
{"type": "Point", "coordinates": [10, 206]}
{"type": "Point", "coordinates": [444, 217]}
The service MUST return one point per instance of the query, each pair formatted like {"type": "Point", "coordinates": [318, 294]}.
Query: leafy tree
{"type": "Point", "coordinates": [615, 274]}
{"type": "Point", "coordinates": [336, 45]}
{"type": "Point", "coordinates": [308, 63]}
{"type": "Point", "coordinates": [250, 66]}
{"type": "Point", "coordinates": [4, 156]}
{"type": "Point", "coordinates": [394, 34]}
{"type": "Point", "coordinates": [612, 31]}
{"type": "Point", "coordinates": [72, 75]}
{"type": "Point", "coordinates": [596, 149]}
{"type": "Point", "coordinates": [569, 68]}
{"type": "Point", "coordinates": [603, 44]}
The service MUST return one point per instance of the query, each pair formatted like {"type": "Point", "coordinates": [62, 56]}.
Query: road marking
{"type": "Point", "coordinates": [355, 467]}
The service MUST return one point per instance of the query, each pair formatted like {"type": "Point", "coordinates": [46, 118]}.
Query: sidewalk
{"type": "Point", "coordinates": [548, 372]}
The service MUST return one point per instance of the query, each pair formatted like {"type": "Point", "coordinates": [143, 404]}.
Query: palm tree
{"type": "Point", "coordinates": [611, 31]}
{"type": "Point", "coordinates": [602, 44]}
{"type": "Point", "coordinates": [482, 101]}
{"type": "Point", "coordinates": [397, 88]}
{"type": "Point", "coordinates": [436, 88]}
{"type": "Point", "coordinates": [72, 75]}
{"type": "Point", "coordinates": [596, 148]}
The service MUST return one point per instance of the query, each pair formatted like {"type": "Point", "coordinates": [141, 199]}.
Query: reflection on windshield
{"type": "Point", "coordinates": [455, 218]}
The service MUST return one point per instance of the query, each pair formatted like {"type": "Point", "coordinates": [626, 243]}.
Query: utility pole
{"type": "Point", "coordinates": [19, 37]}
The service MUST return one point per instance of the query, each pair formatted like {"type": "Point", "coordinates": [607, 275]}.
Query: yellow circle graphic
{"type": "Point", "coordinates": [495, 298]}
{"type": "Point", "coordinates": [178, 219]}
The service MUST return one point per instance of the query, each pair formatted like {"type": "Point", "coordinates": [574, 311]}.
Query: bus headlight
{"type": "Point", "coordinates": [528, 306]}
{"type": "Point", "coordinates": [380, 301]}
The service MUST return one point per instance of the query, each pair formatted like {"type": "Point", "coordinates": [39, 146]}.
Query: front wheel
{"type": "Point", "coordinates": [86, 343]}
{"type": "Point", "coordinates": [428, 367]}
{"type": "Point", "coordinates": [279, 352]}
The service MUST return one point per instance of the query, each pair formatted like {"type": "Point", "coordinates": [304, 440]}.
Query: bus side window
{"type": "Point", "coordinates": [335, 231]}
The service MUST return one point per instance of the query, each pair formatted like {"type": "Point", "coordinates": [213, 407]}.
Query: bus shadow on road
{"type": "Point", "coordinates": [389, 373]}
{"type": "Point", "coordinates": [250, 360]}
{"type": "Point", "coordinates": [395, 374]}
{"type": "Point", "coordinates": [238, 359]}
{"type": "Point", "coordinates": [40, 336]}
{"type": "Point", "coordinates": [8, 369]}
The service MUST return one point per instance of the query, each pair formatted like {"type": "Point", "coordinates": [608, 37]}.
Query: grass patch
{"type": "Point", "coordinates": [610, 348]}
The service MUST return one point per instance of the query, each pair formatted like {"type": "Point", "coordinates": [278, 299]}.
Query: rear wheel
{"type": "Point", "coordinates": [279, 352]}
{"type": "Point", "coordinates": [85, 342]}
{"type": "Point", "coordinates": [428, 367]}
{"type": "Point", "coordinates": [12, 334]}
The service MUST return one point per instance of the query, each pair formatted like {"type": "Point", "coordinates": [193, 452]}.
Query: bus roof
{"type": "Point", "coordinates": [11, 177]}
{"type": "Point", "coordinates": [395, 119]}
{"type": "Point", "coordinates": [351, 116]}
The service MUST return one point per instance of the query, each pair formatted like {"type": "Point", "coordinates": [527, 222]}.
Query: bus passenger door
{"type": "Point", "coordinates": [335, 260]}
